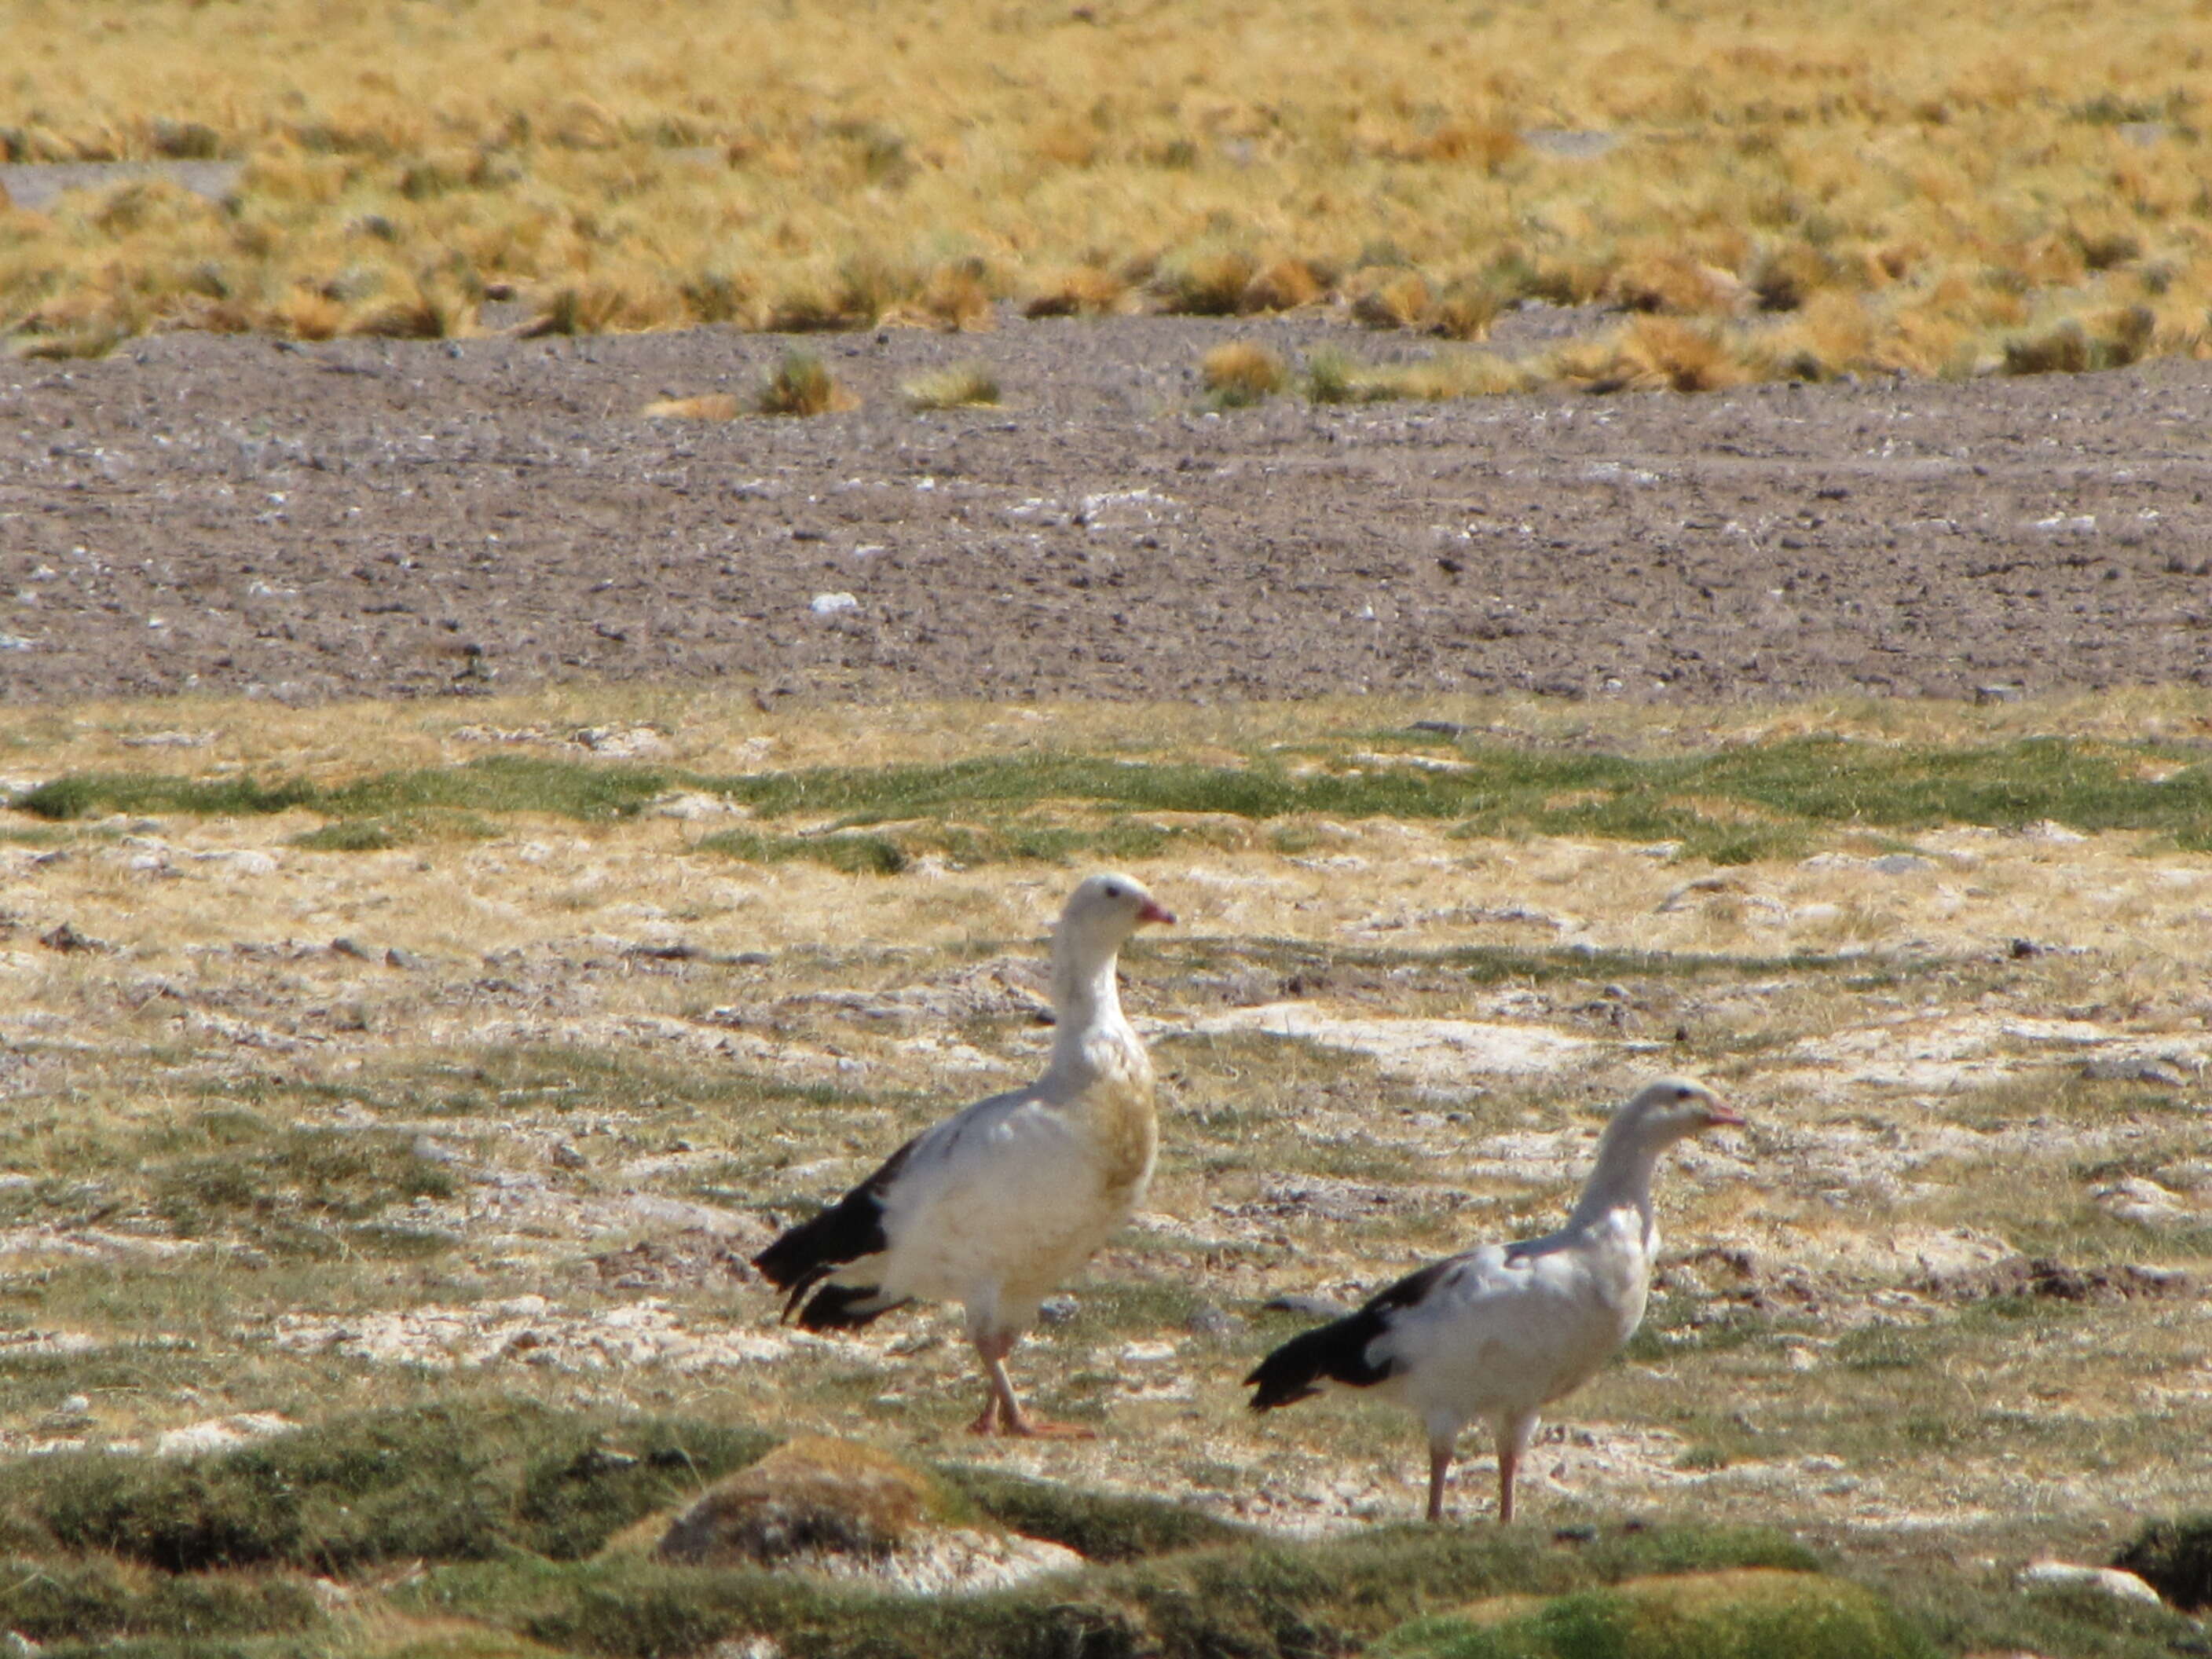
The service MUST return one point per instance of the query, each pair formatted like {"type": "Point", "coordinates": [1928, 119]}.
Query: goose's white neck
{"type": "Point", "coordinates": [1086, 1003]}
{"type": "Point", "coordinates": [1622, 1178]}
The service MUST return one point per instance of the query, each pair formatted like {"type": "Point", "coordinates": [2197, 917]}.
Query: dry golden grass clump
{"type": "Point", "coordinates": [708, 407]}
{"type": "Point", "coordinates": [1083, 291]}
{"type": "Point", "coordinates": [1680, 284]}
{"type": "Point", "coordinates": [964, 386]}
{"type": "Point", "coordinates": [956, 297]}
{"type": "Point", "coordinates": [1389, 298]}
{"type": "Point", "coordinates": [1969, 179]}
{"type": "Point", "coordinates": [1334, 377]}
{"type": "Point", "coordinates": [1242, 372]}
{"type": "Point", "coordinates": [1466, 310]}
{"type": "Point", "coordinates": [1209, 282]}
{"type": "Point", "coordinates": [1284, 285]}
{"type": "Point", "coordinates": [802, 384]}
{"type": "Point", "coordinates": [1654, 353]}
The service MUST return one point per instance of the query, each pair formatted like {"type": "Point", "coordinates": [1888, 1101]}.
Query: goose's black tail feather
{"type": "Point", "coordinates": [849, 1231]}
{"type": "Point", "coordinates": [1336, 1352]}
{"type": "Point", "coordinates": [845, 1307]}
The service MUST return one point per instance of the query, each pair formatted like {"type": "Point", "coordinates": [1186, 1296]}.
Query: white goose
{"type": "Point", "coordinates": [993, 1207]}
{"type": "Point", "coordinates": [1497, 1334]}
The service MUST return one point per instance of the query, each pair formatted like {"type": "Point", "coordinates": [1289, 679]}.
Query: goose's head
{"type": "Point", "coordinates": [1103, 910]}
{"type": "Point", "coordinates": [1672, 1109]}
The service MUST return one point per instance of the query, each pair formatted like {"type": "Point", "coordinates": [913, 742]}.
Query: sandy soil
{"type": "Point", "coordinates": [372, 519]}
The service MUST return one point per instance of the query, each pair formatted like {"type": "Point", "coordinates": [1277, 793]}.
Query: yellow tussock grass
{"type": "Point", "coordinates": [1283, 285]}
{"type": "Point", "coordinates": [687, 162]}
{"type": "Point", "coordinates": [961, 386]}
{"type": "Point", "coordinates": [1084, 291]}
{"type": "Point", "coordinates": [1389, 298]}
{"type": "Point", "coordinates": [1243, 372]}
{"type": "Point", "coordinates": [800, 385]}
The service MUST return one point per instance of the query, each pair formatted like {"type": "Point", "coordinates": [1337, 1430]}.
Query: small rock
{"type": "Point", "coordinates": [168, 740]}
{"type": "Point", "coordinates": [350, 947]}
{"type": "Point", "coordinates": [1691, 892]}
{"type": "Point", "coordinates": [221, 1433]}
{"type": "Point", "coordinates": [241, 860]}
{"type": "Point", "coordinates": [2107, 1581]}
{"type": "Point", "coordinates": [596, 1461]}
{"type": "Point", "coordinates": [2145, 1203]}
{"type": "Point", "coordinates": [2024, 948]}
{"type": "Point", "coordinates": [66, 940]}
{"type": "Point", "coordinates": [1210, 1320]}
{"type": "Point", "coordinates": [689, 805]}
{"type": "Point", "coordinates": [830, 604]}
{"type": "Point", "coordinates": [2140, 1068]}
{"type": "Point", "coordinates": [405, 961]}
{"type": "Point", "coordinates": [1058, 1309]}
{"type": "Point", "coordinates": [1985, 695]}
{"type": "Point", "coordinates": [1900, 863]}
{"type": "Point", "coordinates": [622, 742]}
{"type": "Point", "coordinates": [564, 1156]}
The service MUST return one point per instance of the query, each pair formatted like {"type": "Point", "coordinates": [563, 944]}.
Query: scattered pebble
{"type": "Point", "coordinates": [2108, 1581]}
{"type": "Point", "coordinates": [1058, 1309]}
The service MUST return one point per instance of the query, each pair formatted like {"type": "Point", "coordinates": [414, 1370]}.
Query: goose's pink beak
{"type": "Point", "coordinates": [1717, 1115]}
{"type": "Point", "coordinates": [1155, 911]}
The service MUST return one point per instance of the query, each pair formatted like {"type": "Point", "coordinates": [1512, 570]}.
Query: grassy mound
{"type": "Point", "coordinates": [1731, 1614]}
{"type": "Point", "coordinates": [510, 1509]}
{"type": "Point", "coordinates": [432, 1483]}
{"type": "Point", "coordinates": [1254, 1598]}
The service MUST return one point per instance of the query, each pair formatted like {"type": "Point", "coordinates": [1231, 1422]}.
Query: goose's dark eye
{"type": "Point", "coordinates": [1113, 891]}
{"type": "Point", "coordinates": [1682, 1094]}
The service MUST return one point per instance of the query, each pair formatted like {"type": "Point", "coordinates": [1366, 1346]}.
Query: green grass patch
{"type": "Point", "coordinates": [93, 1600]}
{"type": "Point", "coordinates": [1098, 1526]}
{"type": "Point", "coordinates": [231, 1168]}
{"type": "Point", "coordinates": [885, 852]}
{"type": "Point", "coordinates": [390, 829]}
{"type": "Point", "coordinates": [854, 853]}
{"type": "Point", "coordinates": [1963, 1612]}
{"type": "Point", "coordinates": [501, 783]}
{"type": "Point", "coordinates": [436, 1483]}
{"type": "Point", "coordinates": [1728, 806]}
{"type": "Point", "coordinates": [1724, 1616]}
{"type": "Point", "coordinates": [1258, 1599]}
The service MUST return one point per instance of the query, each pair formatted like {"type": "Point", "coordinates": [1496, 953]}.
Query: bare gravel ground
{"type": "Point", "coordinates": [371, 518]}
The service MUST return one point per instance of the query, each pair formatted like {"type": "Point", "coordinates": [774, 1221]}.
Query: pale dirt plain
{"type": "Point", "coordinates": [600, 1061]}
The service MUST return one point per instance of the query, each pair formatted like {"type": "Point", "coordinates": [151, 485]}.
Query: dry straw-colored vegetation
{"type": "Point", "coordinates": [1240, 372]}
{"type": "Point", "coordinates": [1937, 189]}
{"type": "Point", "coordinates": [962, 385]}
